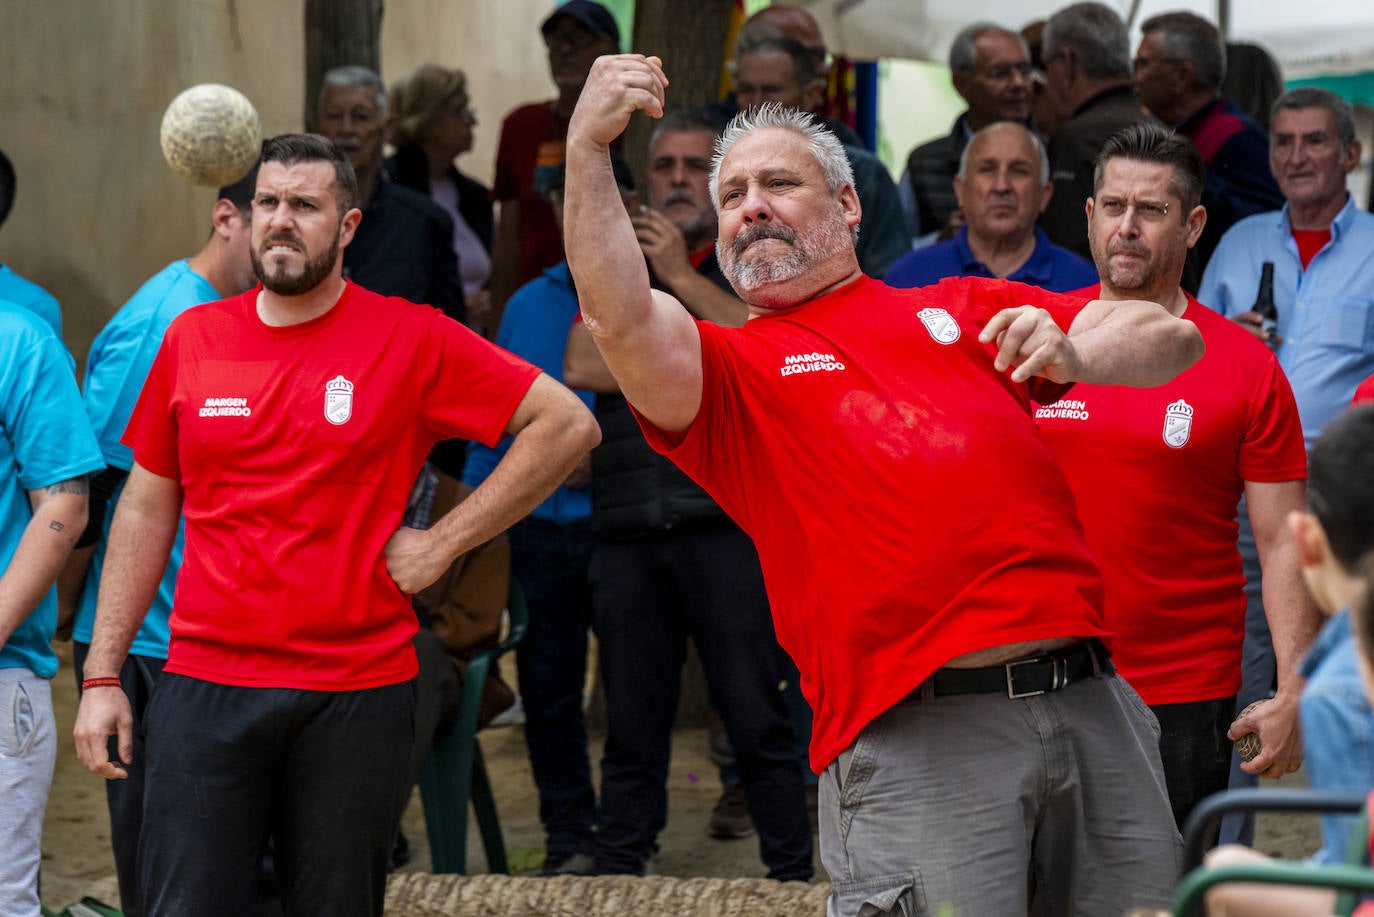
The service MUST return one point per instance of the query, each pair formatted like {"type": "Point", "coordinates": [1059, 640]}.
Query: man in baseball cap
{"type": "Point", "coordinates": [591, 16]}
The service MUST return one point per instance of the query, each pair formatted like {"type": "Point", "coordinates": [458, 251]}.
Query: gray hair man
{"type": "Point", "coordinates": [1179, 68]}
{"type": "Point", "coordinates": [1087, 56]}
{"type": "Point", "coordinates": [991, 70]}
{"type": "Point", "coordinates": [780, 71]}
{"type": "Point", "coordinates": [1320, 250]}
{"type": "Point", "coordinates": [842, 407]}
{"type": "Point", "coordinates": [1003, 186]}
{"type": "Point", "coordinates": [404, 245]}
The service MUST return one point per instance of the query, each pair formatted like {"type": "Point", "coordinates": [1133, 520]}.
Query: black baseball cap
{"type": "Point", "coordinates": [592, 16]}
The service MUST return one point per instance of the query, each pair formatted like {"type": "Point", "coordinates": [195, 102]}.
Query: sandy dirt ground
{"type": "Point", "coordinates": [76, 842]}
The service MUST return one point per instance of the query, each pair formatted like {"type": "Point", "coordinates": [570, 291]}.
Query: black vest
{"type": "Point", "coordinates": [636, 491]}
{"type": "Point", "coordinates": [932, 167]}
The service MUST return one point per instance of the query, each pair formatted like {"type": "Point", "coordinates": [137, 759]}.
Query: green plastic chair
{"type": "Point", "coordinates": [455, 772]}
{"type": "Point", "coordinates": [1350, 880]}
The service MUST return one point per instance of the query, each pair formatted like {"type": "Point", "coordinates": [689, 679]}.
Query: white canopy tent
{"type": "Point", "coordinates": [1310, 39]}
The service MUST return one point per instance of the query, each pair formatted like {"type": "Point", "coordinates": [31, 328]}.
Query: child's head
{"type": "Point", "coordinates": [1336, 536]}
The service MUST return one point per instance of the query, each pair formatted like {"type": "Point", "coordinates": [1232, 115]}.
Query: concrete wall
{"type": "Point", "coordinates": [83, 87]}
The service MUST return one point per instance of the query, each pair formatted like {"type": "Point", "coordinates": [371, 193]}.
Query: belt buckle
{"type": "Point", "coordinates": [1059, 669]}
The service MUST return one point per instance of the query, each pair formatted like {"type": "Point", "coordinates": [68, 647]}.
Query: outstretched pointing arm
{"type": "Point", "coordinates": [649, 340]}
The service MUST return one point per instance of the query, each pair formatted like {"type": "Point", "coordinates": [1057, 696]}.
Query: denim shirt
{"type": "Point", "coordinates": [1326, 312]}
{"type": "Point", "coordinates": [1337, 728]}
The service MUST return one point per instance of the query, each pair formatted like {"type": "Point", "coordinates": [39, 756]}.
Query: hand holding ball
{"type": "Point", "coordinates": [211, 135]}
{"type": "Point", "coordinates": [1248, 746]}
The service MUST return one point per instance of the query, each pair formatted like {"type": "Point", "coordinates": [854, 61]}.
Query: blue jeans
{"type": "Point", "coordinates": [551, 562]}
{"type": "Point", "coordinates": [651, 594]}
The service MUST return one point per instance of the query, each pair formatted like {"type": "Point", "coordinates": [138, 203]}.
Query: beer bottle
{"type": "Point", "coordinates": [1264, 305]}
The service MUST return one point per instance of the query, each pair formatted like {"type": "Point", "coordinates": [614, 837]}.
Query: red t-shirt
{"type": "Point", "coordinates": [533, 142]}
{"type": "Point", "coordinates": [297, 448]}
{"type": "Point", "coordinates": [1364, 391]}
{"type": "Point", "coordinates": [1309, 242]}
{"type": "Point", "coordinates": [904, 507]}
{"type": "Point", "coordinates": [1157, 473]}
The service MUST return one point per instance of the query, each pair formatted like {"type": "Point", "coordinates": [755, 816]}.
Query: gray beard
{"type": "Point", "coordinates": [817, 242]}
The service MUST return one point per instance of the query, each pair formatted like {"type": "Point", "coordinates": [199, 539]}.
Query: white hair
{"type": "Point", "coordinates": [823, 145]}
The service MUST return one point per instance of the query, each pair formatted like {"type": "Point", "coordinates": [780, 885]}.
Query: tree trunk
{"type": "Point", "coordinates": [690, 39]}
{"type": "Point", "coordinates": [338, 33]}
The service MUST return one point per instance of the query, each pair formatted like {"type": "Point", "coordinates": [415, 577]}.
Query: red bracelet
{"type": "Point", "coordinates": [108, 681]}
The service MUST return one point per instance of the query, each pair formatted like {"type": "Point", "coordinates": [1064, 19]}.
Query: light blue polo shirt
{"type": "Point", "coordinates": [31, 296]}
{"type": "Point", "coordinates": [44, 439]}
{"type": "Point", "coordinates": [117, 366]}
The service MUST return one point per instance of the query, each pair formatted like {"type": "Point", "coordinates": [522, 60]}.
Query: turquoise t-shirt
{"type": "Point", "coordinates": [44, 439]}
{"type": "Point", "coordinates": [115, 371]}
{"type": "Point", "coordinates": [31, 296]}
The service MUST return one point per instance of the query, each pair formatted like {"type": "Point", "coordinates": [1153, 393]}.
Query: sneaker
{"type": "Point", "coordinates": [568, 864]}
{"type": "Point", "coordinates": [730, 818]}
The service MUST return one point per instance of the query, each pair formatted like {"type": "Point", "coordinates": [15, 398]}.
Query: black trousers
{"type": "Point", "coordinates": [649, 596]}
{"type": "Point", "coordinates": [323, 774]}
{"type": "Point", "coordinates": [1195, 751]}
{"type": "Point", "coordinates": [124, 798]}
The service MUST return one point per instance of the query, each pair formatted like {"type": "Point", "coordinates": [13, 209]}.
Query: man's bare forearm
{"type": "Point", "coordinates": [59, 517]}
{"type": "Point", "coordinates": [545, 449]}
{"type": "Point", "coordinates": [1133, 343]}
{"type": "Point", "coordinates": [141, 537]}
{"type": "Point", "coordinates": [1293, 618]}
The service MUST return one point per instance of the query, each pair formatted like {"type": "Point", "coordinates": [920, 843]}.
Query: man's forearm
{"type": "Point", "coordinates": [603, 251]}
{"type": "Point", "coordinates": [540, 457]}
{"type": "Point", "coordinates": [59, 516]}
{"type": "Point", "coordinates": [1293, 619]}
{"type": "Point", "coordinates": [1133, 343]}
{"type": "Point", "coordinates": [140, 543]}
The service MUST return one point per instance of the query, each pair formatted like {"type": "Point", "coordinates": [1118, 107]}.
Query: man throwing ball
{"type": "Point", "coordinates": [924, 562]}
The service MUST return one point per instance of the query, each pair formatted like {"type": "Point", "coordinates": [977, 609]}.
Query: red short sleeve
{"type": "Point", "coordinates": [152, 429]}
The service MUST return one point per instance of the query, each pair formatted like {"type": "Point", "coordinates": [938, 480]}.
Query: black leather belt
{"type": "Point", "coordinates": [1024, 677]}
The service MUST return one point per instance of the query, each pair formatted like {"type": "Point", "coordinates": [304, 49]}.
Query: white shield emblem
{"type": "Point", "coordinates": [940, 324]}
{"type": "Point", "coordinates": [338, 400]}
{"type": "Point", "coordinates": [1178, 424]}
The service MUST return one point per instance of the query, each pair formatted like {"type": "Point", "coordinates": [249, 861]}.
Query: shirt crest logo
{"type": "Point", "coordinates": [1178, 424]}
{"type": "Point", "coordinates": [940, 324]}
{"type": "Point", "coordinates": [338, 400]}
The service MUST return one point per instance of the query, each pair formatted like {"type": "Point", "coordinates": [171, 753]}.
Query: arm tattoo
{"type": "Point", "coordinates": [77, 485]}
{"type": "Point", "coordinates": [56, 526]}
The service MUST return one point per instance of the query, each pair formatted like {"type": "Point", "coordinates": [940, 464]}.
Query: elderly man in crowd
{"type": "Point", "coordinates": [1179, 68]}
{"type": "Point", "coordinates": [1003, 186]}
{"type": "Point", "coordinates": [1320, 247]}
{"type": "Point", "coordinates": [991, 70]}
{"type": "Point", "coordinates": [1088, 81]}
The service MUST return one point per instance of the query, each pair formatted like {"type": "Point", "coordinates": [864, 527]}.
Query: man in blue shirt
{"type": "Point", "coordinates": [1003, 185]}
{"type": "Point", "coordinates": [14, 288]}
{"type": "Point", "coordinates": [117, 366]}
{"type": "Point", "coordinates": [46, 451]}
{"type": "Point", "coordinates": [1321, 247]}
